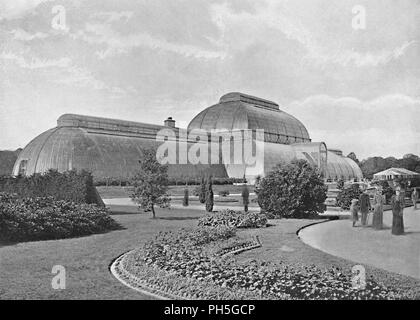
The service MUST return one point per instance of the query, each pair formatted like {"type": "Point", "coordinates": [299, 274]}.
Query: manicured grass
{"type": "Point", "coordinates": [25, 268]}
{"type": "Point", "coordinates": [113, 192]}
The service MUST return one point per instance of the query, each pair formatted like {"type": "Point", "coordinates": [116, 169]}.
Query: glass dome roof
{"type": "Point", "coordinates": [240, 111]}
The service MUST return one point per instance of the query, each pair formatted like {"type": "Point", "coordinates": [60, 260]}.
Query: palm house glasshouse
{"type": "Point", "coordinates": [111, 148]}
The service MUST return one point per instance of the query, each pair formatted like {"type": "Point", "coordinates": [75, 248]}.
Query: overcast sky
{"type": "Point", "coordinates": [355, 89]}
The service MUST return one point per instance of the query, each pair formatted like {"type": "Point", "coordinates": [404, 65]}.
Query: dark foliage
{"type": "Point", "coordinates": [209, 196]}
{"type": "Point", "coordinates": [245, 197]}
{"type": "Point", "coordinates": [69, 186]}
{"type": "Point", "coordinates": [295, 190]}
{"type": "Point", "coordinates": [340, 184]}
{"type": "Point", "coordinates": [7, 161]}
{"type": "Point", "coordinates": [387, 189]}
{"type": "Point", "coordinates": [374, 165]}
{"type": "Point", "coordinates": [185, 200]}
{"type": "Point", "coordinates": [233, 218]}
{"type": "Point", "coordinates": [202, 191]}
{"type": "Point", "coordinates": [346, 195]}
{"type": "Point", "coordinates": [29, 219]}
{"type": "Point", "coordinates": [150, 183]}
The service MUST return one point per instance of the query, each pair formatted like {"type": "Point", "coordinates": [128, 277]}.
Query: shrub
{"type": "Point", "coordinates": [233, 218]}
{"type": "Point", "coordinates": [209, 196]}
{"type": "Point", "coordinates": [346, 195]}
{"type": "Point", "coordinates": [295, 190]}
{"type": "Point", "coordinates": [69, 186]}
{"type": "Point", "coordinates": [185, 200]}
{"type": "Point", "coordinates": [224, 193]}
{"type": "Point", "coordinates": [245, 197]}
{"type": "Point", "coordinates": [28, 219]}
{"type": "Point", "coordinates": [340, 184]}
{"type": "Point", "coordinates": [202, 191]}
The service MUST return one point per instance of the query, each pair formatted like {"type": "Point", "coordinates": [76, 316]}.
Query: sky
{"type": "Point", "coordinates": [354, 82]}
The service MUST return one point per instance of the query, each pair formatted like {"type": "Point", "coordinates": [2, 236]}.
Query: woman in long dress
{"type": "Point", "coordinates": [364, 205]}
{"type": "Point", "coordinates": [415, 198]}
{"type": "Point", "coordinates": [354, 209]}
{"type": "Point", "coordinates": [378, 211]}
{"type": "Point", "coordinates": [398, 205]}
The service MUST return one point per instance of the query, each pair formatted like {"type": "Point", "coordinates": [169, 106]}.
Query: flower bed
{"type": "Point", "coordinates": [239, 246]}
{"type": "Point", "coordinates": [166, 285]}
{"type": "Point", "coordinates": [185, 265]}
{"type": "Point", "coordinates": [234, 218]}
{"type": "Point", "coordinates": [31, 219]}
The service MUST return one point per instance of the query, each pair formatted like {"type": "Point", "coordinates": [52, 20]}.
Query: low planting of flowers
{"type": "Point", "coordinates": [29, 219]}
{"type": "Point", "coordinates": [232, 218]}
{"type": "Point", "coordinates": [197, 255]}
{"type": "Point", "coordinates": [172, 285]}
{"type": "Point", "coordinates": [237, 246]}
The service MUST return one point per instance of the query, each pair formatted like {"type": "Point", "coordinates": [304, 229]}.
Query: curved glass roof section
{"type": "Point", "coordinates": [240, 111]}
{"type": "Point", "coordinates": [106, 153]}
{"type": "Point", "coordinates": [339, 167]}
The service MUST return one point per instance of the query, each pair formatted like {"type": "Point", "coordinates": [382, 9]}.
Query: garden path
{"type": "Point", "coordinates": [400, 254]}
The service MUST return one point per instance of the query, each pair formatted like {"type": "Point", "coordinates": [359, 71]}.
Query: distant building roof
{"type": "Point", "coordinates": [396, 172]}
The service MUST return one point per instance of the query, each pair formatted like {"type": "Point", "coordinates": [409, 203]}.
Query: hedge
{"type": "Point", "coordinates": [29, 219]}
{"type": "Point", "coordinates": [69, 186]}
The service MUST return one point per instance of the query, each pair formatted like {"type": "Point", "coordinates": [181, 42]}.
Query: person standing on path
{"type": "Point", "coordinates": [364, 204]}
{"type": "Point", "coordinates": [245, 197]}
{"type": "Point", "coordinates": [378, 211]}
{"type": "Point", "coordinates": [415, 198]}
{"type": "Point", "coordinates": [398, 204]}
{"type": "Point", "coordinates": [354, 209]}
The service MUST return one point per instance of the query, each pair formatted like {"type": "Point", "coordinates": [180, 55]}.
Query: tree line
{"type": "Point", "coordinates": [373, 165]}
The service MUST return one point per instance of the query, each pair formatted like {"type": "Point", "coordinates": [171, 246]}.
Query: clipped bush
{"type": "Point", "coordinates": [68, 186]}
{"type": "Point", "coordinates": [28, 219]}
{"type": "Point", "coordinates": [202, 191]}
{"type": "Point", "coordinates": [245, 197]}
{"type": "Point", "coordinates": [232, 218]}
{"type": "Point", "coordinates": [209, 196]}
{"type": "Point", "coordinates": [185, 200]}
{"type": "Point", "coordinates": [347, 194]}
{"type": "Point", "coordinates": [295, 190]}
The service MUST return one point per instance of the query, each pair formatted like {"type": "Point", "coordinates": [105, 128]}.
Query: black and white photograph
{"type": "Point", "coordinates": [222, 151]}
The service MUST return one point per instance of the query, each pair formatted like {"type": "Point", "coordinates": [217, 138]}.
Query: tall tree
{"type": "Point", "coordinates": [352, 156]}
{"type": "Point", "coordinates": [150, 182]}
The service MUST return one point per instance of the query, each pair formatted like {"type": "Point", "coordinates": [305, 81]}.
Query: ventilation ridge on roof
{"type": "Point", "coordinates": [259, 102]}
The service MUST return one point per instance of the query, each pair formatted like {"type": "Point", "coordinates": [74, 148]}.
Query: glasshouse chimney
{"type": "Point", "coordinates": [170, 122]}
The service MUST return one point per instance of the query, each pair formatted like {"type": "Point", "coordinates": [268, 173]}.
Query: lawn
{"type": "Point", "coordinates": [26, 267]}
